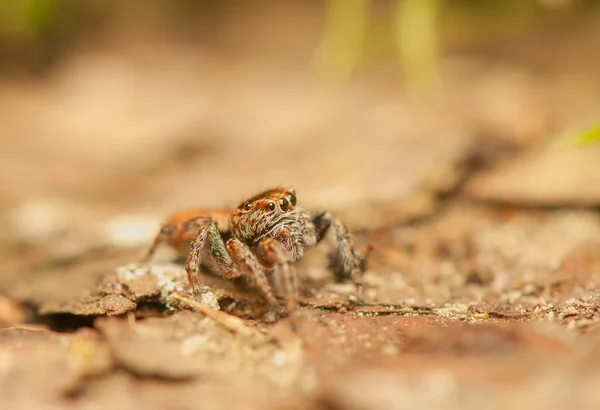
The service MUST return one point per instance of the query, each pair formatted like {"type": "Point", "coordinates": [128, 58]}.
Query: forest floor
{"type": "Point", "coordinates": [481, 290]}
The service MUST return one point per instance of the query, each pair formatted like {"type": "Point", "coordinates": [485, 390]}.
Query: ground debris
{"type": "Point", "coordinates": [43, 365]}
{"type": "Point", "coordinates": [122, 390]}
{"type": "Point", "coordinates": [135, 288]}
{"type": "Point", "coordinates": [230, 322]}
{"type": "Point", "coordinates": [96, 305]}
{"type": "Point", "coordinates": [513, 384]}
{"type": "Point", "coordinates": [578, 314]}
{"type": "Point", "coordinates": [187, 345]}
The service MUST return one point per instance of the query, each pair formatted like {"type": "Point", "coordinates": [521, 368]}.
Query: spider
{"type": "Point", "coordinates": [266, 233]}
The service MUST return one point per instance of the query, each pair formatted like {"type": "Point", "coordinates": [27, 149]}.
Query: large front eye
{"type": "Point", "coordinates": [271, 206]}
{"type": "Point", "coordinates": [284, 204]}
{"type": "Point", "coordinates": [248, 206]}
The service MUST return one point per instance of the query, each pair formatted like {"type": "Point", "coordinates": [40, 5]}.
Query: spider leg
{"type": "Point", "coordinates": [171, 233]}
{"type": "Point", "coordinates": [231, 259]}
{"type": "Point", "coordinates": [207, 233]}
{"type": "Point", "coordinates": [344, 262]}
{"type": "Point", "coordinates": [275, 253]}
{"type": "Point", "coordinates": [322, 223]}
{"type": "Point", "coordinates": [246, 261]}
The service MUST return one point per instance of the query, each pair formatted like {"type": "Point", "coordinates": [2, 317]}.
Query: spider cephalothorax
{"type": "Point", "coordinates": [266, 232]}
{"type": "Point", "coordinates": [264, 215]}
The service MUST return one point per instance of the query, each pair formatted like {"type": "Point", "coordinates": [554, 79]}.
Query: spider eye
{"type": "Point", "coordinates": [284, 204]}
{"type": "Point", "coordinates": [271, 206]}
{"type": "Point", "coordinates": [248, 206]}
{"type": "Point", "coordinates": [293, 199]}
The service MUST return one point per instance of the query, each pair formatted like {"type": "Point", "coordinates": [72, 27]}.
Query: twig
{"type": "Point", "coordinates": [228, 321]}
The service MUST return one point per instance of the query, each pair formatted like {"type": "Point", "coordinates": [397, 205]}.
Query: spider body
{"type": "Point", "coordinates": [267, 232]}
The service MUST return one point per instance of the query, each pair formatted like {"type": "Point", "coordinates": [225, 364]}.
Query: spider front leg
{"type": "Point", "coordinates": [208, 234]}
{"type": "Point", "coordinates": [344, 262]}
{"type": "Point", "coordinates": [246, 262]}
{"type": "Point", "coordinates": [232, 260]}
{"type": "Point", "coordinates": [275, 254]}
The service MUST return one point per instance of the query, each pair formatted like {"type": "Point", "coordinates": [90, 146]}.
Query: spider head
{"type": "Point", "coordinates": [256, 217]}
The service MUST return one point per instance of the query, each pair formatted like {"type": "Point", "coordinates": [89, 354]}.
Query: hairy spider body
{"type": "Point", "coordinates": [267, 232]}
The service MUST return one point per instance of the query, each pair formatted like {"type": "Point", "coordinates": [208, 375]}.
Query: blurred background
{"type": "Point", "coordinates": [366, 107]}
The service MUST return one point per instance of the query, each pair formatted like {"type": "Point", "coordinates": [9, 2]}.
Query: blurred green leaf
{"type": "Point", "coordinates": [348, 24]}
{"type": "Point", "coordinates": [588, 136]}
{"type": "Point", "coordinates": [416, 30]}
{"type": "Point", "coordinates": [39, 13]}
{"type": "Point", "coordinates": [341, 47]}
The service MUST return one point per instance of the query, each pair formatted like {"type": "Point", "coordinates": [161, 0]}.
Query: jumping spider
{"type": "Point", "coordinates": [267, 232]}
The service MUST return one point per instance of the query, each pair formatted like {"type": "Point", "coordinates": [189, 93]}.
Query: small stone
{"type": "Point", "coordinates": [209, 299]}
